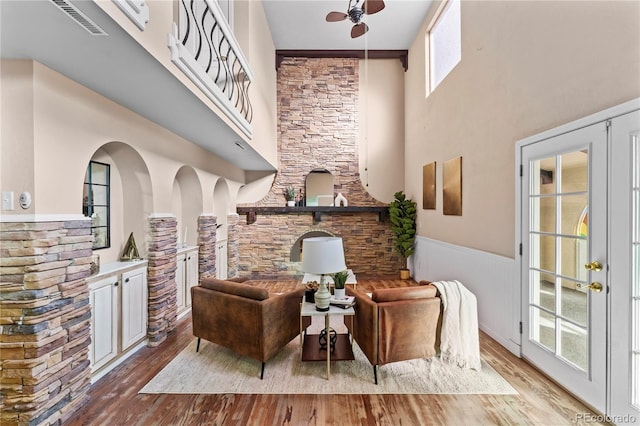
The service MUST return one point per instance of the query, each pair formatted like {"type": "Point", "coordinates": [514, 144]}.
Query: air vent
{"type": "Point", "coordinates": [79, 17]}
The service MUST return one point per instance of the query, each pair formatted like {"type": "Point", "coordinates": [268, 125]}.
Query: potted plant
{"type": "Point", "coordinates": [339, 280]}
{"type": "Point", "coordinates": [290, 196]}
{"type": "Point", "coordinates": [402, 213]}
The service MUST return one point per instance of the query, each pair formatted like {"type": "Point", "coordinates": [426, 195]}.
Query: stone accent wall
{"type": "Point", "coordinates": [161, 277]}
{"type": "Point", "coordinates": [207, 245]}
{"type": "Point", "coordinates": [367, 243]}
{"type": "Point", "coordinates": [233, 246]}
{"type": "Point", "coordinates": [45, 318]}
{"type": "Point", "coordinates": [317, 129]}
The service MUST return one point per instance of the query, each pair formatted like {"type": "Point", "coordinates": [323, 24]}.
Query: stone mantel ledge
{"type": "Point", "coordinates": [316, 211]}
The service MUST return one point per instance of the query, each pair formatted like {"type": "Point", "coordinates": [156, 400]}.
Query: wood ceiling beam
{"type": "Point", "coordinates": [402, 55]}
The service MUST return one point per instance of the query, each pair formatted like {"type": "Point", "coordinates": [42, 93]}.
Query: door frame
{"type": "Point", "coordinates": [518, 295]}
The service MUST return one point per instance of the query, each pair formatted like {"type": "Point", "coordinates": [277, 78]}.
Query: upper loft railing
{"type": "Point", "coordinates": [204, 48]}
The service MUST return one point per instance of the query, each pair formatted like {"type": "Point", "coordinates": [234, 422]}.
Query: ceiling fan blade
{"type": "Point", "coordinates": [336, 16]}
{"type": "Point", "coordinates": [359, 29]}
{"type": "Point", "coordinates": [373, 6]}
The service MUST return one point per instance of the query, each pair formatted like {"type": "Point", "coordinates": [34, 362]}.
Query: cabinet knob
{"type": "Point", "coordinates": [127, 280]}
{"type": "Point", "coordinates": [116, 284]}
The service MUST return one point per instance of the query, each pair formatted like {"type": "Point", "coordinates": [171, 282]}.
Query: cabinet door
{"type": "Point", "coordinates": [104, 322]}
{"type": "Point", "coordinates": [134, 307]}
{"type": "Point", "coordinates": [191, 274]}
{"type": "Point", "coordinates": [180, 282]}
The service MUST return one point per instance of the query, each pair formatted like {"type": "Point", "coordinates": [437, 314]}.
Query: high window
{"type": "Point", "coordinates": [444, 43]}
{"type": "Point", "coordinates": [95, 203]}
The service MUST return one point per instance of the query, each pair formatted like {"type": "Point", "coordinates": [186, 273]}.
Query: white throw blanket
{"type": "Point", "coordinates": [459, 340]}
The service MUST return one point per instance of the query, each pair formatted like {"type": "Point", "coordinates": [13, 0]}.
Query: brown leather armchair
{"type": "Point", "coordinates": [244, 318]}
{"type": "Point", "coordinates": [396, 324]}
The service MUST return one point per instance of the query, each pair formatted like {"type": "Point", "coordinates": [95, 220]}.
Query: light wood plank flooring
{"type": "Point", "coordinates": [114, 400]}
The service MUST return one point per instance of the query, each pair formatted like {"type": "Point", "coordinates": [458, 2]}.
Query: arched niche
{"type": "Point", "coordinates": [221, 207]}
{"type": "Point", "coordinates": [131, 197]}
{"type": "Point", "coordinates": [295, 255]}
{"type": "Point", "coordinates": [186, 204]}
{"type": "Point", "coordinates": [318, 188]}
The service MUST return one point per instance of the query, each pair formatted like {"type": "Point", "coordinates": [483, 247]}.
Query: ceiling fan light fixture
{"type": "Point", "coordinates": [355, 15]}
{"type": "Point", "coordinates": [355, 12]}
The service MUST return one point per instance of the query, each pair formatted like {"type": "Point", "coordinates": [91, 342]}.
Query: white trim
{"type": "Point", "coordinates": [107, 368]}
{"type": "Point", "coordinates": [597, 117]}
{"type": "Point", "coordinates": [18, 218]}
{"type": "Point", "coordinates": [136, 10]}
{"type": "Point", "coordinates": [491, 277]}
{"type": "Point", "coordinates": [162, 216]}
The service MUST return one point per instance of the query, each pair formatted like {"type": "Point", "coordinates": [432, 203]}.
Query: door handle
{"type": "Point", "coordinates": [593, 266]}
{"type": "Point", "coordinates": [595, 286]}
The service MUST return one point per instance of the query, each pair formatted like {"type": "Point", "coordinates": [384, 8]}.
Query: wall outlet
{"type": "Point", "coordinates": [7, 200]}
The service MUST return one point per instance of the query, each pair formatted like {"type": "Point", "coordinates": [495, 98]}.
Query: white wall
{"type": "Point", "coordinates": [493, 279]}
{"type": "Point", "coordinates": [381, 122]}
{"type": "Point", "coordinates": [526, 66]}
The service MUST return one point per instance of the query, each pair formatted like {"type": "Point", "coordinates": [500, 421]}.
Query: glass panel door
{"type": "Point", "coordinates": [564, 259]}
{"type": "Point", "coordinates": [558, 235]}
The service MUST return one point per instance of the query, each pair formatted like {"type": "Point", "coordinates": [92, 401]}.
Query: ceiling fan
{"type": "Point", "coordinates": [355, 12]}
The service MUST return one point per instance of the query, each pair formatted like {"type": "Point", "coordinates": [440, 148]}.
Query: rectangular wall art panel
{"type": "Point", "coordinates": [429, 186]}
{"type": "Point", "coordinates": [452, 187]}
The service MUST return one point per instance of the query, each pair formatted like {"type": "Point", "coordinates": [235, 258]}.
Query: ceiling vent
{"type": "Point", "coordinates": [79, 17]}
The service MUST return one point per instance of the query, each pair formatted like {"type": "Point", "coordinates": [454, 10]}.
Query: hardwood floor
{"type": "Point", "coordinates": [114, 399]}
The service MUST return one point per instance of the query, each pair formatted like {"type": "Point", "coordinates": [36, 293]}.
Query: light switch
{"type": "Point", "coordinates": [7, 200]}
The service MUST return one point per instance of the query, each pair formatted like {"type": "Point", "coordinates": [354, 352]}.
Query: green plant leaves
{"type": "Point", "coordinates": [402, 214]}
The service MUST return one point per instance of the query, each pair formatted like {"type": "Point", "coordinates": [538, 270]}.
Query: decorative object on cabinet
{"type": "Point", "coordinates": [402, 213]}
{"type": "Point", "coordinates": [130, 251]}
{"type": "Point", "coordinates": [452, 187]}
{"type": "Point", "coordinates": [340, 200]}
{"type": "Point", "coordinates": [429, 186]}
{"type": "Point", "coordinates": [323, 255]}
{"type": "Point", "coordinates": [95, 264]}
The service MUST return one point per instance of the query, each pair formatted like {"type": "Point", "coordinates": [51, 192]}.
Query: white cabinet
{"type": "Point", "coordinates": [186, 277]}
{"type": "Point", "coordinates": [181, 294]}
{"type": "Point", "coordinates": [134, 307]}
{"type": "Point", "coordinates": [104, 321]}
{"type": "Point", "coordinates": [118, 297]}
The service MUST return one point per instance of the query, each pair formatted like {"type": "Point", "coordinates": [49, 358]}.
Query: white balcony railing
{"type": "Point", "coordinates": [204, 48]}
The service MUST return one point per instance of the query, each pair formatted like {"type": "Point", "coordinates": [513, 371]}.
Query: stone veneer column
{"type": "Point", "coordinates": [233, 245]}
{"type": "Point", "coordinates": [161, 277]}
{"type": "Point", "coordinates": [207, 245]}
{"type": "Point", "coordinates": [45, 318]}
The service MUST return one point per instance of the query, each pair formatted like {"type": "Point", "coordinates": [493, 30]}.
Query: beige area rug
{"type": "Point", "coordinates": [216, 370]}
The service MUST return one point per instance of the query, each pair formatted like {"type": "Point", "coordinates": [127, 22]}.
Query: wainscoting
{"type": "Point", "coordinates": [492, 278]}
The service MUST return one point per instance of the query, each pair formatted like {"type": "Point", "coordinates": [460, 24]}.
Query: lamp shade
{"type": "Point", "coordinates": [323, 255]}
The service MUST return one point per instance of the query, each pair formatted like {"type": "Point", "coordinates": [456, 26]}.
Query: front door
{"type": "Point", "coordinates": [564, 259]}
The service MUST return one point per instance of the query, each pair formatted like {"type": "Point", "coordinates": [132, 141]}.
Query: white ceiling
{"type": "Point", "coordinates": [123, 71]}
{"type": "Point", "coordinates": [301, 25]}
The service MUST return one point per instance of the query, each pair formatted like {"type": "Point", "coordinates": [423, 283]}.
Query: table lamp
{"type": "Point", "coordinates": [322, 256]}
